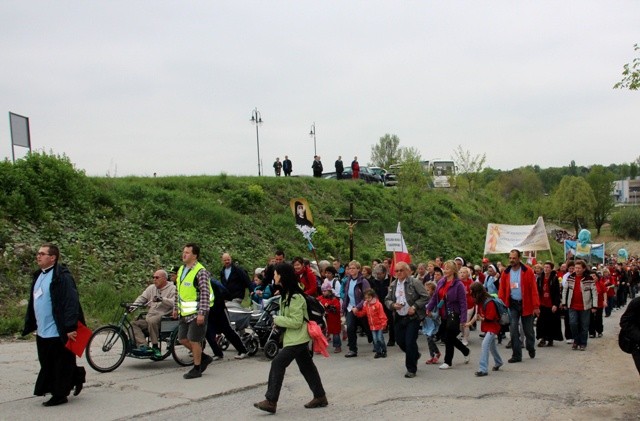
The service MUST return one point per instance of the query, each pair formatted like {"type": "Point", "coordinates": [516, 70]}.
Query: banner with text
{"type": "Point", "coordinates": [504, 238]}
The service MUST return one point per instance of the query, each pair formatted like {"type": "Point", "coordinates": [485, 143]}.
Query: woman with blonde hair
{"type": "Point", "coordinates": [450, 301]}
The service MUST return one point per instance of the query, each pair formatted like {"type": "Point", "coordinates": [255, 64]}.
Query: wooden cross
{"type": "Point", "coordinates": [351, 223]}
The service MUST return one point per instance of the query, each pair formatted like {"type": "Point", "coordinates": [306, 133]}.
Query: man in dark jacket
{"type": "Point", "coordinates": [53, 312]}
{"type": "Point", "coordinates": [630, 328]}
{"type": "Point", "coordinates": [339, 168]}
{"type": "Point", "coordinates": [287, 166]}
{"type": "Point", "coordinates": [317, 166]}
{"type": "Point", "coordinates": [235, 279]}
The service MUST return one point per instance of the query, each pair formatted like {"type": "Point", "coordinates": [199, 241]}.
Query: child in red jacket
{"type": "Point", "coordinates": [374, 311]}
{"type": "Point", "coordinates": [332, 313]}
{"type": "Point", "coordinates": [488, 314]}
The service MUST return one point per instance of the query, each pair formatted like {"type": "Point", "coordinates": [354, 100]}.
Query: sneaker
{"type": "Point", "coordinates": [157, 353]}
{"type": "Point", "coordinates": [409, 375]}
{"type": "Point", "coordinates": [383, 355]}
{"type": "Point", "coordinates": [599, 335]}
{"type": "Point", "coordinates": [574, 347]}
{"type": "Point", "coordinates": [194, 373]}
{"type": "Point", "coordinates": [241, 356]}
{"type": "Point", "coordinates": [205, 361]}
{"type": "Point", "coordinates": [481, 373]}
{"type": "Point", "coordinates": [569, 341]}
{"type": "Point", "coordinates": [432, 360]}
{"type": "Point", "coordinates": [337, 350]}
{"type": "Point", "coordinates": [444, 366]}
{"type": "Point", "coordinates": [267, 406]}
{"type": "Point", "coordinates": [592, 336]}
{"type": "Point", "coordinates": [351, 354]}
{"type": "Point", "coordinates": [583, 347]}
{"type": "Point", "coordinates": [542, 343]}
{"type": "Point", "coordinates": [216, 358]}
{"type": "Point", "coordinates": [378, 355]}
{"type": "Point", "coordinates": [496, 367]}
{"type": "Point", "coordinates": [514, 360]}
{"type": "Point", "coordinates": [467, 358]}
{"type": "Point", "coordinates": [465, 342]}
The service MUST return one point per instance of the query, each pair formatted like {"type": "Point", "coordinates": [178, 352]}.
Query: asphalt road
{"type": "Point", "coordinates": [600, 383]}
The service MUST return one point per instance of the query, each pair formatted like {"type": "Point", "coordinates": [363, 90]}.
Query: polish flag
{"type": "Point", "coordinates": [400, 256]}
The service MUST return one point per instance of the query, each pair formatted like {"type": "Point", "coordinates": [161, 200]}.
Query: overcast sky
{"type": "Point", "coordinates": [137, 87]}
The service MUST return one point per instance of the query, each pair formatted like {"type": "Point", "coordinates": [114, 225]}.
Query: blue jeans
{"type": "Point", "coordinates": [489, 345]}
{"type": "Point", "coordinates": [337, 341]}
{"type": "Point", "coordinates": [579, 322]}
{"type": "Point", "coordinates": [378, 342]}
{"type": "Point", "coordinates": [515, 310]}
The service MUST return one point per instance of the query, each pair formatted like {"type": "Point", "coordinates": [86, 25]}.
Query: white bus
{"type": "Point", "coordinates": [441, 171]}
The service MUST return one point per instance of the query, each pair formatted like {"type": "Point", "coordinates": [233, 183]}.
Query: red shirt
{"type": "Point", "coordinates": [546, 294]}
{"type": "Point", "coordinates": [441, 294]}
{"type": "Point", "coordinates": [467, 287]}
{"type": "Point", "coordinates": [576, 299]}
{"type": "Point", "coordinates": [490, 314]}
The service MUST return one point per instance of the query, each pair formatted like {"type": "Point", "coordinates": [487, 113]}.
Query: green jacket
{"type": "Point", "coordinates": [292, 318]}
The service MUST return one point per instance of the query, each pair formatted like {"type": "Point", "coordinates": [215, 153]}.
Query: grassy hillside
{"type": "Point", "coordinates": [114, 232]}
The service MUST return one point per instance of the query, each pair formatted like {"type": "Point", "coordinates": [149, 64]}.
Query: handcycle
{"type": "Point", "coordinates": [110, 344]}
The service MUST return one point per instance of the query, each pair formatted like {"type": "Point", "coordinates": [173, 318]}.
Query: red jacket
{"type": "Point", "coordinates": [332, 313]}
{"type": "Point", "coordinates": [308, 281]}
{"type": "Point", "coordinates": [602, 292]}
{"type": "Point", "coordinates": [375, 314]}
{"type": "Point", "coordinates": [490, 314]}
{"type": "Point", "coordinates": [530, 297]}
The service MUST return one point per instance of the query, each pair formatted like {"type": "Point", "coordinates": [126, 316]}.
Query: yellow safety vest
{"type": "Point", "coordinates": [188, 291]}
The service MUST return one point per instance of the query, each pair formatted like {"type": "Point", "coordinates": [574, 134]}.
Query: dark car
{"type": "Point", "coordinates": [365, 175]}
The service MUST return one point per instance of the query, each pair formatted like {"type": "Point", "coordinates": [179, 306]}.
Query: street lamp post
{"type": "Point", "coordinates": [256, 118]}
{"type": "Point", "coordinates": [313, 133]}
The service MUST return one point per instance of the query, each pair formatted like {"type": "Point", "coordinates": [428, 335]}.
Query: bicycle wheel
{"type": "Point", "coordinates": [106, 349]}
{"type": "Point", "coordinates": [181, 354]}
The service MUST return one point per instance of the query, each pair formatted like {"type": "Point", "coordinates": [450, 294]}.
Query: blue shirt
{"type": "Point", "coordinates": [43, 308]}
{"type": "Point", "coordinates": [352, 294]}
{"type": "Point", "coordinates": [490, 283]}
{"type": "Point", "coordinates": [516, 288]}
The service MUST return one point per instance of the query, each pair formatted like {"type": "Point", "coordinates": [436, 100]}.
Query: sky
{"type": "Point", "coordinates": [167, 87]}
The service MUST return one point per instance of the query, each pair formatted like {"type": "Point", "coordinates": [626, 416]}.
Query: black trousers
{"type": "Point", "coordinates": [58, 371]}
{"type": "Point", "coordinates": [595, 323]}
{"type": "Point", "coordinates": [407, 330]}
{"type": "Point", "coordinates": [219, 323]}
{"type": "Point", "coordinates": [451, 341]}
{"type": "Point", "coordinates": [279, 365]}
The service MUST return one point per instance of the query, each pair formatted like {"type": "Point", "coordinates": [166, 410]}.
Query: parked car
{"type": "Point", "coordinates": [388, 179]}
{"type": "Point", "coordinates": [365, 174]}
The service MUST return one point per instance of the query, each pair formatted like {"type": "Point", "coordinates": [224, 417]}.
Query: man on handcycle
{"type": "Point", "coordinates": [160, 297]}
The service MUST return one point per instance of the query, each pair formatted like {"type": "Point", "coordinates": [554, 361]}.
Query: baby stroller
{"type": "Point", "coordinates": [268, 333]}
{"type": "Point", "coordinates": [240, 320]}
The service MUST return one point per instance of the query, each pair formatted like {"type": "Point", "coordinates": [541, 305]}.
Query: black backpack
{"type": "Point", "coordinates": [315, 310]}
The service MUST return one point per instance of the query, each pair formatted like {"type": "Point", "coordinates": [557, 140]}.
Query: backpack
{"type": "Point", "coordinates": [315, 310]}
{"type": "Point", "coordinates": [504, 318]}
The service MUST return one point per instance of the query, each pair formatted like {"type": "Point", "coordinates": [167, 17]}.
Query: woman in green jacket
{"type": "Point", "coordinates": [293, 311]}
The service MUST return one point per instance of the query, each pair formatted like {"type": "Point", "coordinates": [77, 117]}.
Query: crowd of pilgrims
{"type": "Point", "coordinates": [614, 283]}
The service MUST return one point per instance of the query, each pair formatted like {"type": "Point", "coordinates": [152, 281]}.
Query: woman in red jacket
{"type": "Point", "coordinates": [595, 323]}
{"type": "Point", "coordinates": [306, 276]}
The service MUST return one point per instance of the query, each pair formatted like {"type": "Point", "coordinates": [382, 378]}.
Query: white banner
{"type": "Point", "coordinates": [504, 238]}
{"type": "Point", "coordinates": [394, 242]}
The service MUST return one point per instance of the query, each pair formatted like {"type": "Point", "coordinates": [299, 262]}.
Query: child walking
{"type": "Point", "coordinates": [488, 314]}
{"type": "Point", "coordinates": [332, 312]}
{"type": "Point", "coordinates": [374, 311]}
{"type": "Point", "coordinates": [430, 327]}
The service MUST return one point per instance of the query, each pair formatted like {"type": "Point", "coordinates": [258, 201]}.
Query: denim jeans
{"type": "Point", "coordinates": [579, 322]}
{"type": "Point", "coordinates": [378, 342]}
{"type": "Point", "coordinates": [489, 345]}
{"type": "Point", "coordinates": [337, 342]}
{"type": "Point", "coordinates": [352, 332]}
{"type": "Point", "coordinates": [407, 330]}
{"type": "Point", "coordinates": [515, 310]}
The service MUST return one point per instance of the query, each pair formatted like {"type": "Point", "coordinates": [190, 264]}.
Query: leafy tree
{"type": "Point", "coordinates": [574, 201]}
{"type": "Point", "coordinates": [633, 170]}
{"type": "Point", "coordinates": [601, 182]}
{"type": "Point", "coordinates": [521, 183]}
{"type": "Point", "coordinates": [387, 152]}
{"type": "Point", "coordinates": [411, 173]}
{"type": "Point", "coordinates": [469, 168]}
{"type": "Point", "coordinates": [630, 74]}
{"type": "Point", "coordinates": [626, 223]}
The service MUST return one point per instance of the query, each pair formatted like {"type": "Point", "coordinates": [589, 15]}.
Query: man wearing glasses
{"type": "Point", "coordinates": [53, 312]}
{"type": "Point", "coordinates": [160, 297]}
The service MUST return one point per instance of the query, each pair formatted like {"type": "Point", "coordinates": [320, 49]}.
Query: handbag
{"type": "Point", "coordinates": [453, 321]}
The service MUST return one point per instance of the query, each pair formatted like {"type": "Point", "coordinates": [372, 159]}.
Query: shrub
{"type": "Point", "coordinates": [626, 223]}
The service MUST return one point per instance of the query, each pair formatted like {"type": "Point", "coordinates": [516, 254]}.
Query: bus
{"type": "Point", "coordinates": [441, 172]}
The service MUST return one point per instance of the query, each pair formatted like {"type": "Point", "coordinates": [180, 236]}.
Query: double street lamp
{"type": "Point", "coordinates": [313, 133]}
{"type": "Point", "coordinates": [256, 118]}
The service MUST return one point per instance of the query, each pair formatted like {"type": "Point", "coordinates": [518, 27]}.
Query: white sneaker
{"type": "Point", "coordinates": [444, 366]}
{"type": "Point", "coordinates": [569, 341]}
{"type": "Point", "coordinates": [240, 356]}
{"type": "Point", "coordinates": [216, 358]}
{"type": "Point", "coordinates": [465, 343]}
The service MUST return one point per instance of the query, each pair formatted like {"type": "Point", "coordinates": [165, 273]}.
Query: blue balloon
{"type": "Point", "coordinates": [584, 236]}
{"type": "Point", "coordinates": [623, 253]}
